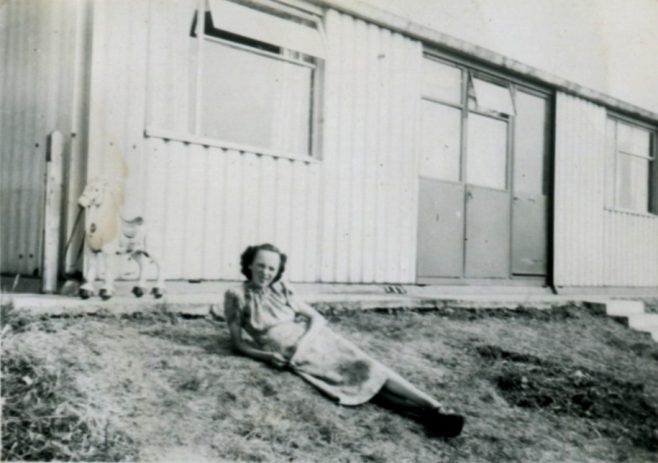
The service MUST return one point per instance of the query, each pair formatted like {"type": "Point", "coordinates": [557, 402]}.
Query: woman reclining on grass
{"type": "Point", "coordinates": [291, 334]}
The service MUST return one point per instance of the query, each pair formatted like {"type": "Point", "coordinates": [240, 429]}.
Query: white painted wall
{"type": "Point", "coordinates": [607, 45]}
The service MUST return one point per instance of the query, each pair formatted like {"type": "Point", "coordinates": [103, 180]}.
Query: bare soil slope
{"type": "Point", "coordinates": [541, 386]}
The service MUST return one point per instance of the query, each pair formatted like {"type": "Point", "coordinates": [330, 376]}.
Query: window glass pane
{"type": "Point", "coordinates": [440, 141]}
{"type": "Point", "coordinates": [255, 100]}
{"type": "Point", "coordinates": [486, 160]}
{"type": "Point", "coordinates": [530, 155]}
{"type": "Point", "coordinates": [265, 27]}
{"type": "Point", "coordinates": [633, 183]}
{"type": "Point", "coordinates": [491, 97]}
{"type": "Point", "coordinates": [633, 139]}
{"type": "Point", "coordinates": [441, 81]}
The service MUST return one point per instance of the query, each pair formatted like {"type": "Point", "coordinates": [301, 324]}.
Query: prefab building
{"type": "Point", "coordinates": [371, 148]}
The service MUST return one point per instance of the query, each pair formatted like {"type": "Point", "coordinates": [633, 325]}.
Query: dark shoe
{"type": "Point", "coordinates": [443, 424]}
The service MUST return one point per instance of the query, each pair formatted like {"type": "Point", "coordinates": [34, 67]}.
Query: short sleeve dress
{"type": "Point", "coordinates": [328, 361]}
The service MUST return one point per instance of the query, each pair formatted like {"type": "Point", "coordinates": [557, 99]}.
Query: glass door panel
{"type": "Point", "coordinates": [441, 141]}
{"type": "Point", "coordinates": [531, 177]}
{"type": "Point", "coordinates": [486, 159]}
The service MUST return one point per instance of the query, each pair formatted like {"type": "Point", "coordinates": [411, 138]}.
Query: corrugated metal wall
{"type": "Point", "coordinates": [39, 51]}
{"type": "Point", "coordinates": [350, 217]}
{"type": "Point", "coordinates": [630, 248]}
{"type": "Point", "coordinates": [370, 177]}
{"type": "Point", "coordinates": [594, 246]}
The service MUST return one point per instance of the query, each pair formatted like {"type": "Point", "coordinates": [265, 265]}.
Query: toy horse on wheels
{"type": "Point", "coordinates": [108, 236]}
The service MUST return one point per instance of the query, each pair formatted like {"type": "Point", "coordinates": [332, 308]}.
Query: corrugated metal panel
{"type": "Point", "coordinates": [38, 44]}
{"type": "Point", "coordinates": [350, 217]}
{"type": "Point", "coordinates": [594, 246]}
{"type": "Point", "coordinates": [579, 199]}
{"type": "Point", "coordinates": [630, 240]}
{"type": "Point", "coordinates": [206, 205]}
{"type": "Point", "coordinates": [369, 167]}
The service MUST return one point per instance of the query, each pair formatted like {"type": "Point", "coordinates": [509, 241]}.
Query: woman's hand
{"type": "Point", "coordinates": [315, 323]}
{"type": "Point", "coordinates": [273, 358]}
{"type": "Point", "coordinates": [278, 360]}
{"type": "Point", "coordinates": [241, 345]}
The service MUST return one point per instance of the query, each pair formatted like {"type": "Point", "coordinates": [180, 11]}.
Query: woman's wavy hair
{"type": "Point", "coordinates": [249, 254]}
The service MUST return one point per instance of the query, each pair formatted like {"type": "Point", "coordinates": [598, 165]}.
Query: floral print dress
{"type": "Point", "coordinates": [327, 360]}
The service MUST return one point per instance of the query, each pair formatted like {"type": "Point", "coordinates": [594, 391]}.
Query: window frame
{"type": "Point", "coordinates": [471, 70]}
{"type": "Point", "coordinates": [611, 176]}
{"type": "Point", "coordinates": [193, 132]}
{"type": "Point", "coordinates": [492, 80]}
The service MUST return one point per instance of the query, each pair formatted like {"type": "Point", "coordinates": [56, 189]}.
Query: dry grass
{"type": "Point", "coordinates": [44, 416]}
{"type": "Point", "coordinates": [170, 389]}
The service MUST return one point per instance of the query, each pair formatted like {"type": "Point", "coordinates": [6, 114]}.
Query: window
{"type": "Point", "coordinates": [490, 97]}
{"type": "Point", "coordinates": [440, 145]}
{"type": "Point", "coordinates": [442, 82]}
{"type": "Point", "coordinates": [441, 111]}
{"type": "Point", "coordinates": [631, 171]}
{"type": "Point", "coordinates": [486, 163]}
{"type": "Point", "coordinates": [465, 125]}
{"type": "Point", "coordinates": [473, 123]}
{"type": "Point", "coordinates": [258, 77]}
{"type": "Point", "coordinates": [532, 162]}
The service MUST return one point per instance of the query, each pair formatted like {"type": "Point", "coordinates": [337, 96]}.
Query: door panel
{"type": "Point", "coordinates": [530, 225]}
{"type": "Point", "coordinates": [441, 229]}
{"type": "Point", "coordinates": [531, 186]}
{"type": "Point", "coordinates": [487, 233]}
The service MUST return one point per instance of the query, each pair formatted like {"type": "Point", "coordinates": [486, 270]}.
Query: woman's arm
{"type": "Point", "coordinates": [234, 320]}
{"type": "Point", "coordinates": [244, 347]}
{"type": "Point", "coordinates": [315, 321]}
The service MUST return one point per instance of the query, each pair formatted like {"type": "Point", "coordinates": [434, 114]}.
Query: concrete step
{"type": "Point", "coordinates": [630, 313]}
{"type": "Point", "coordinates": [644, 322]}
{"type": "Point", "coordinates": [620, 308]}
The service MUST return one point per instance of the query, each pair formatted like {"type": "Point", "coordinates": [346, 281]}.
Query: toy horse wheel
{"type": "Point", "coordinates": [105, 294]}
{"type": "Point", "coordinates": [137, 291]}
{"type": "Point", "coordinates": [84, 294]}
{"type": "Point", "coordinates": [157, 293]}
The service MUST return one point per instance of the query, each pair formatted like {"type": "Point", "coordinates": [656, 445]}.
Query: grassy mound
{"type": "Point", "coordinates": [542, 386]}
{"type": "Point", "coordinates": [44, 416]}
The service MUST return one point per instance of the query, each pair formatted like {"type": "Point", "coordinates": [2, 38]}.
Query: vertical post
{"type": "Point", "coordinates": [53, 212]}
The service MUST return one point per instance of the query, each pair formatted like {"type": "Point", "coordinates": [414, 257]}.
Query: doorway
{"type": "Point", "coordinates": [484, 177]}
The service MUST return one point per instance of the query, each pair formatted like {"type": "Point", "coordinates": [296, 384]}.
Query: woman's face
{"type": "Point", "coordinates": [264, 268]}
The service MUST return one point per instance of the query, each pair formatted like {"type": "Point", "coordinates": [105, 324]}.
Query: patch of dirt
{"type": "Point", "coordinates": [497, 353]}
{"type": "Point", "coordinates": [620, 407]}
